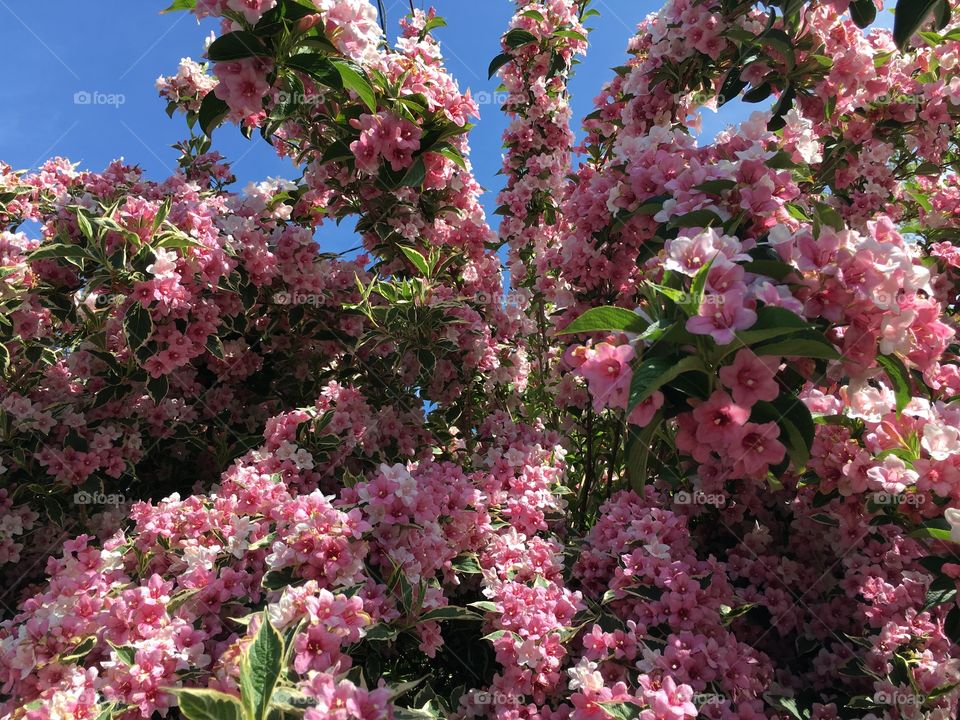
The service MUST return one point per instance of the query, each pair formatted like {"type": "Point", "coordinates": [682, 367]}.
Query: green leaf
{"type": "Point", "coordinates": [932, 532]}
{"type": "Point", "coordinates": [137, 325]}
{"type": "Point", "coordinates": [781, 108]}
{"type": "Point", "coordinates": [638, 451]}
{"type": "Point", "coordinates": [158, 387]}
{"type": "Point", "coordinates": [418, 260]}
{"type": "Point", "coordinates": [214, 346]}
{"type": "Point", "coordinates": [773, 322]}
{"type": "Point", "coordinates": [260, 670]}
{"type": "Point", "coordinates": [212, 112]}
{"type": "Point", "coordinates": [941, 591]}
{"type": "Point", "coordinates": [451, 153]}
{"type": "Point", "coordinates": [354, 79]}
{"type": "Point", "coordinates": [80, 650]}
{"type": "Point", "coordinates": [758, 94]}
{"type": "Point", "coordinates": [236, 45]}
{"type": "Point", "coordinates": [826, 215]}
{"type": "Point", "coordinates": [467, 563]}
{"type": "Point", "coordinates": [863, 12]}
{"type": "Point", "coordinates": [691, 306]}
{"type": "Point", "coordinates": [4, 360]}
{"type": "Point", "coordinates": [416, 174]}
{"type": "Point", "coordinates": [899, 378]}
{"type": "Point", "coordinates": [319, 67]}
{"type": "Point", "coordinates": [806, 343]}
{"type": "Point", "coordinates": [908, 18]}
{"type": "Point", "coordinates": [732, 86]}
{"type": "Point", "coordinates": [207, 705]}
{"type": "Point", "coordinates": [620, 710]}
{"type": "Point", "coordinates": [650, 374]}
{"type": "Point", "coordinates": [177, 601]}
{"type": "Point", "coordinates": [58, 250]}
{"type": "Point", "coordinates": [797, 428]}
{"type": "Point", "coordinates": [381, 631]}
{"type": "Point", "coordinates": [941, 14]}
{"type": "Point", "coordinates": [606, 319]}
{"type": "Point", "coordinates": [518, 38]}
{"type": "Point", "coordinates": [776, 269]}
{"type": "Point", "coordinates": [790, 706]}
{"type": "Point", "coordinates": [107, 712]}
{"type": "Point", "coordinates": [127, 654]}
{"type": "Point", "coordinates": [180, 5]}
{"type": "Point", "coordinates": [484, 605]}
{"type": "Point", "coordinates": [696, 219]}
{"type": "Point", "coordinates": [451, 612]}
{"type": "Point", "coordinates": [292, 701]}
{"type": "Point", "coordinates": [715, 187]}
{"type": "Point", "coordinates": [498, 62]}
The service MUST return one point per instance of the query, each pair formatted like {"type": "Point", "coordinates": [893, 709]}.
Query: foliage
{"type": "Point", "coordinates": [702, 458]}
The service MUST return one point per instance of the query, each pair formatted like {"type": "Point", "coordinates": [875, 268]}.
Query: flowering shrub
{"type": "Point", "coordinates": [703, 459]}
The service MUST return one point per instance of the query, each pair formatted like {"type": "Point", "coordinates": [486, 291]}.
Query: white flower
{"type": "Point", "coordinates": [529, 653]}
{"type": "Point", "coordinates": [238, 543]}
{"type": "Point", "coordinates": [657, 549]}
{"type": "Point", "coordinates": [303, 459]}
{"type": "Point", "coordinates": [868, 403]}
{"type": "Point", "coordinates": [585, 676]}
{"type": "Point", "coordinates": [287, 450]}
{"type": "Point", "coordinates": [940, 440]}
{"type": "Point", "coordinates": [406, 485]}
{"type": "Point", "coordinates": [952, 516]}
{"type": "Point", "coordinates": [515, 457]}
{"type": "Point", "coordinates": [165, 262]}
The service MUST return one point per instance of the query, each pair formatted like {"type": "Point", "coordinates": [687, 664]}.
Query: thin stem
{"type": "Point", "coordinates": [382, 12]}
{"type": "Point", "coordinates": [588, 476]}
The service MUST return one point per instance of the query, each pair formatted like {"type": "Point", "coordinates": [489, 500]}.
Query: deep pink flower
{"type": "Point", "coordinates": [719, 419]}
{"type": "Point", "coordinates": [607, 370]}
{"type": "Point", "coordinates": [751, 377]}
{"type": "Point", "coordinates": [720, 316]}
{"type": "Point", "coordinates": [756, 448]}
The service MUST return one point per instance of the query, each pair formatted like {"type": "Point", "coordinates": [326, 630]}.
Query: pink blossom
{"type": "Point", "coordinates": [751, 378]}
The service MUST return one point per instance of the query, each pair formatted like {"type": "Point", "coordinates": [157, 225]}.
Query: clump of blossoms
{"type": "Point", "coordinates": [702, 460]}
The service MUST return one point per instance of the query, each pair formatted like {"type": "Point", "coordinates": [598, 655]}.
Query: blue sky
{"type": "Point", "coordinates": [115, 49]}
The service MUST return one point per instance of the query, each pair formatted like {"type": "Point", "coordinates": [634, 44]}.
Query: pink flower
{"type": "Point", "coordinates": [673, 702]}
{"type": "Point", "coordinates": [720, 316]}
{"type": "Point", "coordinates": [719, 420]}
{"type": "Point", "coordinates": [756, 448]}
{"type": "Point", "coordinates": [607, 370]}
{"type": "Point", "coordinates": [751, 378]}
{"type": "Point", "coordinates": [252, 10]}
{"type": "Point", "coordinates": [643, 413]}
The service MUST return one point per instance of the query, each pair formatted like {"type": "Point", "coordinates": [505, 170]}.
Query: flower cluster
{"type": "Point", "coordinates": [702, 461]}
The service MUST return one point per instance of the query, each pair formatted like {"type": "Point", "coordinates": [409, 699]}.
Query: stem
{"type": "Point", "coordinates": [588, 475]}
{"type": "Point", "coordinates": [614, 453]}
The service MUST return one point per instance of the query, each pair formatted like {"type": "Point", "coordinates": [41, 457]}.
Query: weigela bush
{"type": "Point", "coordinates": [701, 458]}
